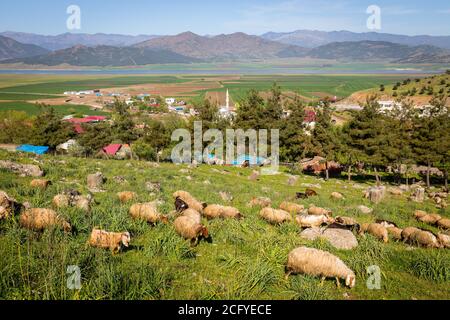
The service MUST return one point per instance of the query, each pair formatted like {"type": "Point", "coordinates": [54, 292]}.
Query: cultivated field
{"type": "Point", "coordinates": [19, 89]}
{"type": "Point", "coordinates": [244, 260]}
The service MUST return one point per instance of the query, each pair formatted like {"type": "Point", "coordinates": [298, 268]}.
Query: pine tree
{"type": "Point", "coordinates": [250, 113]}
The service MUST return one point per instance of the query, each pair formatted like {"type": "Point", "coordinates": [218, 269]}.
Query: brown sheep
{"type": "Point", "coordinates": [213, 211]}
{"type": "Point", "coordinates": [41, 219]}
{"type": "Point", "coordinates": [83, 203]}
{"type": "Point", "coordinates": [311, 193]}
{"type": "Point", "coordinates": [231, 212]}
{"type": "Point", "coordinates": [376, 230]}
{"type": "Point", "coordinates": [346, 221]}
{"type": "Point", "coordinates": [316, 262]}
{"type": "Point", "coordinates": [337, 196]}
{"type": "Point", "coordinates": [190, 229]}
{"type": "Point", "coordinates": [40, 183]}
{"type": "Point", "coordinates": [444, 223]}
{"type": "Point", "coordinates": [395, 233]}
{"type": "Point", "coordinates": [444, 240]}
{"type": "Point", "coordinates": [8, 205]}
{"type": "Point", "coordinates": [189, 200]}
{"type": "Point", "coordinates": [126, 196]}
{"type": "Point", "coordinates": [195, 215]}
{"type": "Point", "coordinates": [61, 201]}
{"type": "Point", "coordinates": [109, 240]}
{"type": "Point", "coordinates": [147, 212]}
{"type": "Point", "coordinates": [274, 216]}
{"type": "Point", "coordinates": [407, 232]}
{"type": "Point", "coordinates": [316, 211]}
{"type": "Point", "coordinates": [424, 239]}
{"type": "Point", "coordinates": [311, 221]}
{"type": "Point", "coordinates": [292, 208]}
{"type": "Point", "coordinates": [260, 202]}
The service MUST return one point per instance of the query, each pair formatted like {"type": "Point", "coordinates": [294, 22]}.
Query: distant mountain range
{"type": "Point", "coordinates": [189, 48]}
{"type": "Point", "coordinates": [236, 46]}
{"type": "Point", "coordinates": [313, 39]}
{"type": "Point", "coordinates": [68, 40]}
{"type": "Point", "coordinates": [379, 50]}
{"type": "Point", "coordinates": [10, 48]}
{"type": "Point", "coordinates": [104, 56]}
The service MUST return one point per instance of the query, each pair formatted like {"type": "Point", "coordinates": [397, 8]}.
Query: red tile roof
{"type": "Point", "coordinates": [112, 149]}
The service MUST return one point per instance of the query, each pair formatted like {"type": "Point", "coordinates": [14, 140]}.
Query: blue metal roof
{"type": "Point", "coordinates": [33, 149]}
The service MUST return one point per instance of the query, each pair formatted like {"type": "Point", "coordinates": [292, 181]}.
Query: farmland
{"type": "Point", "coordinates": [19, 89]}
{"type": "Point", "coordinates": [245, 259]}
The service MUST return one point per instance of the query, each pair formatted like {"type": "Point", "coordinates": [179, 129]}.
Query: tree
{"type": "Point", "coordinates": [272, 113]}
{"type": "Point", "coordinates": [96, 137]}
{"type": "Point", "coordinates": [144, 151]}
{"type": "Point", "coordinates": [295, 143]}
{"type": "Point", "coordinates": [49, 129]}
{"type": "Point", "coordinates": [156, 136]}
{"type": "Point", "coordinates": [123, 126]}
{"type": "Point", "coordinates": [324, 137]}
{"type": "Point", "coordinates": [249, 115]}
{"type": "Point", "coordinates": [15, 127]}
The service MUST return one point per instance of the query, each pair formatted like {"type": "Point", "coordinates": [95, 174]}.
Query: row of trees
{"type": "Point", "coordinates": [399, 138]}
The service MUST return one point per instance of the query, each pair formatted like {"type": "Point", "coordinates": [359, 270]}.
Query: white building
{"type": "Point", "coordinates": [170, 101]}
{"type": "Point", "coordinates": [225, 111]}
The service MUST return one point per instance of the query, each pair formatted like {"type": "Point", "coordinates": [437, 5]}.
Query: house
{"type": "Point", "coordinates": [116, 151]}
{"type": "Point", "coordinates": [66, 146]}
{"type": "Point", "coordinates": [77, 122]}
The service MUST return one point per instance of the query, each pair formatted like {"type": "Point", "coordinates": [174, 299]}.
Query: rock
{"type": "Point", "coordinates": [254, 176]}
{"type": "Point", "coordinates": [375, 194]}
{"type": "Point", "coordinates": [153, 186]}
{"type": "Point", "coordinates": [8, 205]}
{"type": "Point", "coordinates": [339, 238]}
{"type": "Point", "coordinates": [95, 181]}
{"type": "Point", "coordinates": [28, 170]}
{"type": "Point", "coordinates": [311, 185]}
{"type": "Point", "coordinates": [292, 180]}
{"type": "Point", "coordinates": [418, 195]}
{"type": "Point", "coordinates": [189, 178]}
{"type": "Point", "coordinates": [120, 179]}
{"type": "Point", "coordinates": [226, 196]}
{"type": "Point", "coordinates": [404, 188]}
{"type": "Point", "coordinates": [207, 182]}
{"type": "Point", "coordinates": [365, 210]}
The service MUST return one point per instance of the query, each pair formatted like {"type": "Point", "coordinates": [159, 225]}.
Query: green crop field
{"type": "Point", "coordinates": [34, 109]}
{"type": "Point", "coordinates": [244, 260]}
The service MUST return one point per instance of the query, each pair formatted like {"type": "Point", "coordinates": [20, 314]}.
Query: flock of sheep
{"type": "Point", "coordinates": [187, 221]}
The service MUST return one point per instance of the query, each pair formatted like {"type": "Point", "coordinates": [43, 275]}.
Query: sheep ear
{"type": "Point", "coordinates": [204, 205]}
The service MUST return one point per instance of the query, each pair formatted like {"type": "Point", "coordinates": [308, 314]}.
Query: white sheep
{"type": "Point", "coordinates": [309, 221]}
{"type": "Point", "coordinates": [316, 262]}
{"type": "Point", "coordinates": [274, 216]}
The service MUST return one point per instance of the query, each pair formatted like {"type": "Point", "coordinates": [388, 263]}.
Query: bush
{"type": "Point", "coordinates": [143, 151]}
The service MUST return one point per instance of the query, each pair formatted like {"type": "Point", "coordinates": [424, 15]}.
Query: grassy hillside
{"type": "Point", "coordinates": [421, 86]}
{"type": "Point", "coordinates": [33, 109]}
{"type": "Point", "coordinates": [244, 261]}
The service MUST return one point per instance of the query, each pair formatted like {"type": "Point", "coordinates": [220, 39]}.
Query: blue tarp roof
{"type": "Point", "coordinates": [33, 149]}
{"type": "Point", "coordinates": [240, 160]}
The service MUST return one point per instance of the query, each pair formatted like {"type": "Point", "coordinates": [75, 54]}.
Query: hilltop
{"type": "Point", "coordinates": [10, 48]}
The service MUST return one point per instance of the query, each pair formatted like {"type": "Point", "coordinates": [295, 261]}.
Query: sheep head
{"type": "Point", "coordinates": [67, 227]}
{"type": "Point", "coordinates": [350, 280]}
{"type": "Point", "coordinates": [164, 219]}
{"type": "Point", "coordinates": [204, 232]}
{"type": "Point", "coordinates": [126, 238]}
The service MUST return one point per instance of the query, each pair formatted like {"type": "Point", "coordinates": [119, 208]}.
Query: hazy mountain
{"type": "Point", "coordinates": [68, 40]}
{"type": "Point", "coordinates": [10, 49]}
{"type": "Point", "coordinates": [104, 56]}
{"type": "Point", "coordinates": [223, 47]}
{"type": "Point", "coordinates": [378, 50]}
{"type": "Point", "coordinates": [312, 39]}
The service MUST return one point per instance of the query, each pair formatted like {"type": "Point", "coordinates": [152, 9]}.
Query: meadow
{"type": "Point", "coordinates": [244, 260]}
{"type": "Point", "coordinates": [33, 109]}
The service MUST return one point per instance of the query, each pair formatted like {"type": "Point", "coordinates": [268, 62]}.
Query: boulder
{"type": "Point", "coordinates": [339, 238]}
{"type": "Point", "coordinates": [26, 170]}
{"type": "Point", "coordinates": [292, 180]}
{"type": "Point", "coordinates": [365, 210]}
{"type": "Point", "coordinates": [95, 181]}
{"type": "Point", "coordinates": [375, 194]}
{"type": "Point", "coordinates": [418, 195]}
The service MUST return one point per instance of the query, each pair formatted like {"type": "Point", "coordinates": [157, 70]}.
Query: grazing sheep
{"type": "Point", "coordinates": [213, 211]}
{"type": "Point", "coordinates": [424, 239]}
{"type": "Point", "coordinates": [41, 219]}
{"type": "Point", "coordinates": [190, 229]}
{"type": "Point", "coordinates": [430, 219]}
{"type": "Point", "coordinates": [190, 200]}
{"type": "Point", "coordinates": [230, 212]}
{"type": "Point", "coordinates": [292, 208]}
{"type": "Point", "coordinates": [444, 240]}
{"type": "Point", "coordinates": [386, 224]}
{"type": "Point", "coordinates": [61, 201]}
{"type": "Point", "coordinates": [407, 232]}
{"type": "Point", "coordinates": [8, 205]}
{"type": "Point", "coordinates": [444, 223]}
{"type": "Point", "coordinates": [147, 212]}
{"type": "Point", "coordinates": [301, 195]}
{"type": "Point", "coordinates": [180, 205]}
{"type": "Point", "coordinates": [395, 233]}
{"type": "Point", "coordinates": [191, 213]}
{"type": "Point", "coordinates": [274, 216]}
{"type": "Point", "coordinates": [316, 211]}
{"type": "Point", "coordinates": [40, 183]}
{"type": "Point", "coordinates": [320, 263]}
{"type": "Point", "coordinates": [313, 221]}
{"type": "Point", "coordinates": [346, 221]}
{"type": "Point", "coordinates": [126, 196]}
{"type": "Point", "coordinates": [337, 196]}
{"type": "Point", "coordinates": [311, 193]}
{"type": "Point", "coordinates": [376, 230]}
{"type": "Point", "coordinates": [395, 191]}
{"type": "Point", "coordinates": [109, 240]}
{"type": "Point", "coordinates": [260, 202]}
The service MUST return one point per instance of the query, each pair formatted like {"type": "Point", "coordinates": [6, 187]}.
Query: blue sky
{"type": "Point", "coordinates": [215, 17]}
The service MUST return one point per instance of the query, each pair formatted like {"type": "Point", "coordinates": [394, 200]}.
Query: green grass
{"type": "Point", "coordinates": [34, 109]}
{"type": "Point", "coordinates": [245, 259]}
